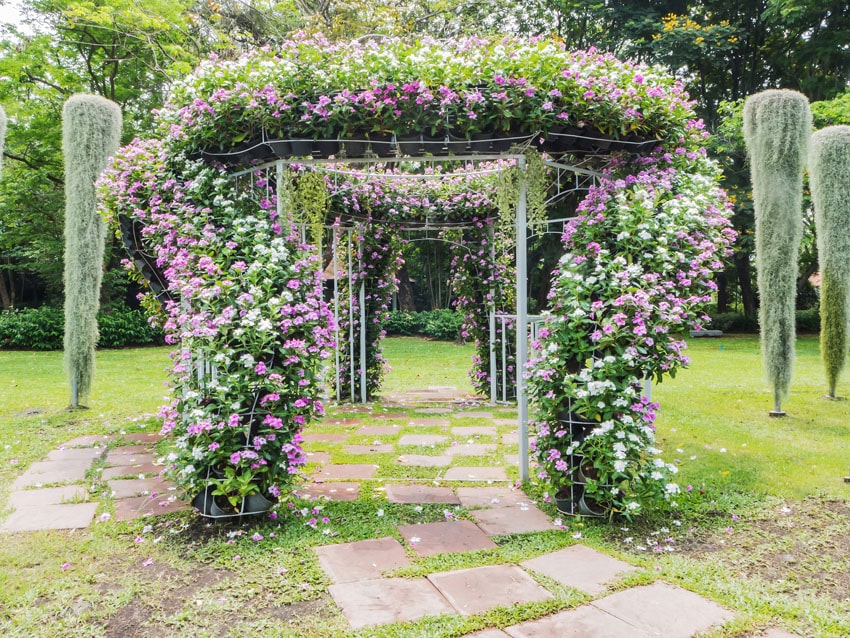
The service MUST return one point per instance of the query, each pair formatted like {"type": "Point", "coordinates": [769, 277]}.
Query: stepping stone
{"type": "Point", "coordinates": [125, 488]}
{"type": "Point", "coordinates": [511, 421]}
{"type": "Point", "coordinates": [584, 622]}
{"type": "Point", "coordinates": [380, 448]}
{"type": "Point", "coordinates": [663, 610]}
{"type": "Point", "coordinates": [473, 415]}
{"type": "Point", "coordinates": [777, 633]}
{"type": "Point", "coordinates": [428, 422]}
{"type": "Point", "coordinates": [475, 590]}
{"type": "Point", "coordinates": [476, 474]}
{"type": "Point", "coordinates": [390, 415]}
{"type": "Point", "coordinates": [433, 411]}
{"type": "Point", "coordinates": [88, 441]}
{"type": "Point", "coordinates": [445, 538]}
{"type": "Point", "coordinates": [142, 437]}
{"type": "Point", "coordinates": [579, 566]}
{"type": "Point", "coordinates": [501, 496]}
{"type": "Point", "coordinates": [420, 494]}
{"type": "Point", "coordinates": [344, 471]}
{"type": "Point", "coordinates": [422, 439]}
{"type": "Point", "coordinates": [47, 496]}
{"type": "Point", "coordinates": [343, 421]}
{"type": "Point", "coordinates": [488, 633]}
{"type": "Point", "coordinates": [330, 491]}
{"type": "Point", "coordinates": [128, 455]}
{"type": "Point", "coordinates": [64, 516]}
{"type": "Point", "coordinates": [388, 600]}
{"type": "Point", "coordinates": [316, 437]}
{"type": "Point", "coordinates": [421, 460]}
{"type": "Point", "coordinates": [472, 430]}
{"type": "Point", "coordinates": [379, 430]}
{"type": "Point", "coordinates": [45, 472]}
{"type": "Point", "coordinates": [363, 560]}
{"type": "Point", "coordinates": [318, 457]}
{"type": "Point", "coordinates": [471, 449]}
{"type": "Point", "coordinates": [75, 454]}
{"type": "Point", "coordinates": [141, 506]}
{"type": "Point", "coordinates": [512, 460]}
{"type": "Point", "coordinates": [130, 470]}
{"type": "Point", "coordinates": [510, 439]}
{"type": "Point", "coordinates": [512, 520]}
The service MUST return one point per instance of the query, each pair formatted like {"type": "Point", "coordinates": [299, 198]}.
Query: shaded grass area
{"type": "Point", "coordinates": [763, 531]}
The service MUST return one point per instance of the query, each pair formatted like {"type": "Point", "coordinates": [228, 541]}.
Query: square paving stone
{"type": "Point", "coordinates": [47, 496]}
{"type": "Point", "coordinates": [428, 539]}
{"type": "Point", "coordinates": [330, 491]}
{"type": "Point", "coordinates": [45, 472]}
{"type": "Point", "coordinates": [379, 430]}
{"type": "Point", "coordinates": [141, 506]}
{"type": "Point", "coordinates": [422, 460]}
{"type": "Point", "coordinates": [130, 470]}
{"type": "Point", "coordinates": [379, 448]}
{"type": "Point", "coordinates": [663, 610]}
{"type": "Point", "coordinates": [419, 422]}
{"type": "Point", "coordinates": [388, 600]}
{"type": "Point", "coordinates": [420, 494]}
{"type": "Point", "coordinates": [324, 437]}
{"type": "Point", "coordinates": [363, 560]}
{"type": "Point", "coordinates": [579, 566]}
{"type": "Point", "coordinates": [125, 488]}
{"type": "Point", "coordinates": [492, 496]}
{"type": "Point", "coordinates": [64, 516]}
{"type": "Point", "coordinates": [472, 591]}
{"type": "Point", "coordinates": [584, 622]}
{"type": "Point", "coordinates": [512, 520]}
{"type": "Point", "coordinates": [471, 449]}
{"type": "Point", "coordinates": [422, 439]}
{"type": "Point", "coordinates": [476, 474]}
{"type": "Point", "coordinates": [75, 454]}
{"type": "Point", "coordinates": [344, 471]}
{"type": "Point", "coordinates": [474, 430]}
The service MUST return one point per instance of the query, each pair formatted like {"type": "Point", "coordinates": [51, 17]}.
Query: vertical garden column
{"type": "Point", "coordinates": [777, 128]}
{"type": "Point", "coordinates": [829, 178]}
{"type": "Point", "coordinates": [91, 131]}
{"type": "Point", "coordinates": [521, 320]}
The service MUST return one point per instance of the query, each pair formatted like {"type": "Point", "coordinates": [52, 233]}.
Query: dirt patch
{"type": "Point", "coordinates": [797, 547]}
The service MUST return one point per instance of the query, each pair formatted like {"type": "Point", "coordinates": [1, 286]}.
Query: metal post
{"type": "Point", "coordinates": [350, 319]}
{"type": "Point", "coordinates": [493, 372]}
{"type": "Point", "coordinates": [335, 267]}
{"type": "Point", "coordinates": [362, 340]}
{"type": "Point", "coordinates": [522, 320]}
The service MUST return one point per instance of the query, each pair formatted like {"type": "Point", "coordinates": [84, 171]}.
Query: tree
{"type": "Point", "coordinates": [777, 128]}
{"type": "Point", "coordinates": [829, 175]}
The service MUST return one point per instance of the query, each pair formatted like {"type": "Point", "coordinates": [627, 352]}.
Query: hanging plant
{"type": "Point", "coordinates": [310, 198]}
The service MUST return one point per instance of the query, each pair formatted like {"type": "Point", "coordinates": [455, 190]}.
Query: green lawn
{"type": "Point", "coordinates": [765, 530]}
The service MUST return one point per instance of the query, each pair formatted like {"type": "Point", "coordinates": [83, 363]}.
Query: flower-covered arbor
{"type": "Point", "coordinates": [209, 233]}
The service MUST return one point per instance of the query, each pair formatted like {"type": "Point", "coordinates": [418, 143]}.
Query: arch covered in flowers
{"type": "Point", "coordinates": [242, 293]}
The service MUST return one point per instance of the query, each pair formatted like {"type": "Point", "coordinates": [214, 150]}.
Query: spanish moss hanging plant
{"type": "Point", "coordinates": [829, 179]}
{"type": "Point", "coordinates": [310, 198]}
{"type": "Point", "coordinates": [91, 131]}
{"type": "Point", "coordinates": [777, 128]}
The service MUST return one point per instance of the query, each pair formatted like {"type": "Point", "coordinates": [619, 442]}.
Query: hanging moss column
{"type": "Point", "coordinates": [777, 128]}
{"type": "Point", "coordinates": [91, 131]}
{"type": "Point", "coordinates": [829, 178]}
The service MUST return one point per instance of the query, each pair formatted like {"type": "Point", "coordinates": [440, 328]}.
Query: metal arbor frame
{"type": "Point", "coordinates": [280, 166]}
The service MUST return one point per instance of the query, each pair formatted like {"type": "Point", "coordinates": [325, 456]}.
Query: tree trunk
{"type": "Point", "coordinates": [722, 292]}
{"type": "Point", "coordinates": [748, 298]}
{"type": "Point", "coordinates": [405, 291]}
{"type": "Point", "coordinates": [6, 298]}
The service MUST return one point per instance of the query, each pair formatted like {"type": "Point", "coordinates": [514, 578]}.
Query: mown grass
{"type": "Point", "coordinates": [182, 576]}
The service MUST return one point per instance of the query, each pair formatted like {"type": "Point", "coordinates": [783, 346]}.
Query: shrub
{"type": "Point", "coordinates": [808, 321]}
{"type": "Point", "coordinates": [43, 328]}
{"type": "Point", "coordinates": [733, 322]}
{"type": "Point", "coordinates": [443, 325]}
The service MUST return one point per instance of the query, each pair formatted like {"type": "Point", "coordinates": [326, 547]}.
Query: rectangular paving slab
{"type": "Point", "coordinates": [492, 496]}
{"type": "Point", "coordinates": [481, 430]}
{"type": "Point", "coordinates": [579, 566]}
{"type": "Point", "coordinates": [46, 472]}
{"type": "Point", "coordinates": [476, 474]}
{"type": "Point", "coordinates": [388, 600]}
{"type": "Point", "coordinates": [344, 471]}
{"type": "Point", "coordinates": [475, 590]}
{"type": "Point", "coordinates": [66, 516]}
{"type": "Point", "coordinates": [133, 471]}
{"type": "Point", "coordinates": [422, 439]}
{"type": "Point", "coordinates": [424, 460]}
{"type": "Point", "coordinates": [420, 494]}
{"type": "Point", "coordinates": [141, 506]}
{"type": "Point", "coordinates": [663, 610]}
{"type": "Point", "coordinates": [362, 560]}
{"type": "Point", "coordinates": [379, 448]}
{"type": "Point", "coordinates": [499, 521]}
{"type": "Point", "coordinates": [125, 488]}
{"type": "Point", "coordinates": [428, 539]}
{"type": "Point", "coordinates": [584, 622]}
{"type": "Point", "coordinates": [379, 430]}
{"type": "Point", "coordinates": [330, 491]}
{"type": "Point", "coordinates": [75, 454]}
{"type": "Point", "coordinates": [48, 496]}
{"type": "Point", "coordinates": [471, 449]}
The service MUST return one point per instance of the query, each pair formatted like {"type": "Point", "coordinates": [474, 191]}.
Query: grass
{"type": "Point", "coordinates": [765, 530]}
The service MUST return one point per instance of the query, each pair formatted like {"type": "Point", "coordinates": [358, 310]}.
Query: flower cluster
{"type": "Point", "coordinates": [636, 274]}
{"type": "Point", "coordinates": [246, 315]}
{"type": "Point", "coordinates": [310, 87]}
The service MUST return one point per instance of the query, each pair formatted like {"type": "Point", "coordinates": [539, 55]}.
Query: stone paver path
{"type": "Point", "coordinates": [467, 449]}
